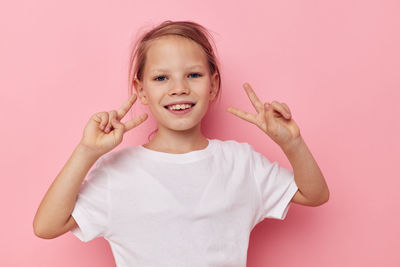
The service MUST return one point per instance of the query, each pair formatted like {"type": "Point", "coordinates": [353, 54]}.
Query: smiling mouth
{"type": "Point", "coordinates": [179, 107]}
{"type": "Point", "coordinates": [180, 110]}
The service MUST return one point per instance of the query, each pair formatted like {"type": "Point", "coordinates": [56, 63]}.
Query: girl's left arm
{"type": "Point", "coordinates": [313, 190]}
{"type": "Point", "coordinates": [276, 121]}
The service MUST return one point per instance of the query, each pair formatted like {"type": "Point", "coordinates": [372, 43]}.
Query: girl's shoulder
{"type": "Point", "coordinates": [117, 156]}
{"type": "Point", "coordinates": [231, 142]}
{"type": "Point", "coordinates": [234, 145]}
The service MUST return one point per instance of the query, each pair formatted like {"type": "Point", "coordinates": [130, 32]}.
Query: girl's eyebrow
{"type": "Point", "coordinates": [189, 68]}
{"type": "Point", "coordinates": [195, 66]}
{"type": "Point", "coordinates": [159, 70]}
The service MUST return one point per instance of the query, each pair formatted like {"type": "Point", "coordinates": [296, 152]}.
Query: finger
{"type": "Point", "coordinates": [287, 109]}
{"type": "Point", "coordinates": [280, 109]}
{"type": "Point", "coordinates": [119, 128]}
{"type": "Point", "coordinates": [126, 106]}
{"type": "Point", "coordinates": [268, 113]}
{"type": "Point", "coordinates": [103, 119]}
{"type": "Point", "coordinates": [243, 115]}
{"type": "Point", "coordinates": [135, 122]}
{"type": "Point", "coordinates": [253, 98]}
{"type": "Point", "coordinates": [111, 116]}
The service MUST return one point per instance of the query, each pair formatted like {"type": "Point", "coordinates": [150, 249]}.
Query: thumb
{"type": "Point", "coordinates": [118, 126]}
{"type": "Point", "coordinates": [268, 111]}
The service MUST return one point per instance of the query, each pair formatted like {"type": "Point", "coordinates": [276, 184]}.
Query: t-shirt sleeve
{"type": "Point", "coordinates": [276, 186]}
{"type": "Point", "coordinates": [92, 204]}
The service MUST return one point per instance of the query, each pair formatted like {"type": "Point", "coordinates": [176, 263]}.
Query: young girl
{"type": "Point", "coordinates": [181, 199]}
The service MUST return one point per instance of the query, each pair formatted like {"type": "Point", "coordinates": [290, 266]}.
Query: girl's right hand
{"type": "Point", "coordinates": [104, 131]}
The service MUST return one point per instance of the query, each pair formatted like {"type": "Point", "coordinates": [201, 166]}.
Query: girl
{"type": "Point", "coordinates": [181, 199]}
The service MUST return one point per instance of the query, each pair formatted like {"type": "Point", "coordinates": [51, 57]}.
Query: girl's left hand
{"type": "Point", "coordinates": [274, 119]}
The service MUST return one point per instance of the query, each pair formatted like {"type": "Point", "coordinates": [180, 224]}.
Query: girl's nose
{"type": "Point", "coordinates": [179, 88]}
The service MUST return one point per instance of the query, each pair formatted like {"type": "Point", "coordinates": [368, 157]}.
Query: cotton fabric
{"type": "Point", "coordinates": [191, 209]}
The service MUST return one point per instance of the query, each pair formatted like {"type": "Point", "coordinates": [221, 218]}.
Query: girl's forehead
{"type": "Point", "coordinates": [174, 49]}
{"type": "Point", "coordinates": [172, 39]}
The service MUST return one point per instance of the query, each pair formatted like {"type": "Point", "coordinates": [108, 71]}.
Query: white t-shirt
{"type": "Point", "coordinates": [192, 209]}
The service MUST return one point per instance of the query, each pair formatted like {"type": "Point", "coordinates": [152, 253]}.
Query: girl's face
{"type": "Point", "coordinates": [176, 72]}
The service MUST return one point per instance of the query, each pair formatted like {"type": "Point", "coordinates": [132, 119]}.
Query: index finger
{"type": "Point", "coordinates": [126, 106]}
{"type": "Point", "coordinates": [253, 98]}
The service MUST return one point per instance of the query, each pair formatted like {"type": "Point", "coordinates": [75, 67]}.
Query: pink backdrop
{"type": "Point", "coordinates": [335, 63]}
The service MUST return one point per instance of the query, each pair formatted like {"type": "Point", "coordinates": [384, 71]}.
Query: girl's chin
{"type": "Point", "coordinates": [182, 127]}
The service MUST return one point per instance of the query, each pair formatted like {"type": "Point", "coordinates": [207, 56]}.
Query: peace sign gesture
{"type": "Point", "coordinates": [104, 131]}
{"type": "Point", "coordinates": [274, 119]}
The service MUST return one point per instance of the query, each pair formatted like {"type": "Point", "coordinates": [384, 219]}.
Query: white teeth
{"type": "Point", "coordinates": [179, 106]}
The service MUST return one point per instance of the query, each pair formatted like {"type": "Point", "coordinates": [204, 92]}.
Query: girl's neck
{"type": "Point", "coordinates": [177, 142]}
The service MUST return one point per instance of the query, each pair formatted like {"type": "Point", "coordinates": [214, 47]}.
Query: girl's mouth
{"type": "Point", "coordinates": [180, 109]}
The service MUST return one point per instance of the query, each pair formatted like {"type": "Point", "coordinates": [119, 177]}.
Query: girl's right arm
{"type": "Point", "coordinates": [53, 217]}
{"type": "Point", "coordinates": [103, 132]}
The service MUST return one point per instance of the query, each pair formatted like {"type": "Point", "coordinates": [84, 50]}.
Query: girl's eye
{"type": "Point", "coordinates": [163, 78]}
{"type": "Point", "coordinates": [195, 75]}
{"type": "Point", "coordinates": [160, 78]}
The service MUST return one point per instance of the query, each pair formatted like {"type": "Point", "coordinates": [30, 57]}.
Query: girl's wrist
{"type": "Point", "coordinates": [87, 151]}
{"type": "Point", "coordinates": [293, 145]}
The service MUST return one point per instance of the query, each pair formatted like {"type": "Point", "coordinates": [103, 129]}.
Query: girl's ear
{"type": "Point", "coordinates": [214, 86]}
{"type": "Point", "coordinates": [140, 91]}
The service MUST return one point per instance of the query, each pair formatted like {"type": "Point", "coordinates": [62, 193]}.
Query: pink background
{"type": "Point", "coordinates": [335, 63]}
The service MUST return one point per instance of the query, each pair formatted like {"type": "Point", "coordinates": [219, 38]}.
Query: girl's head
{"type": "Point", "coordinates": [175, 62]}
